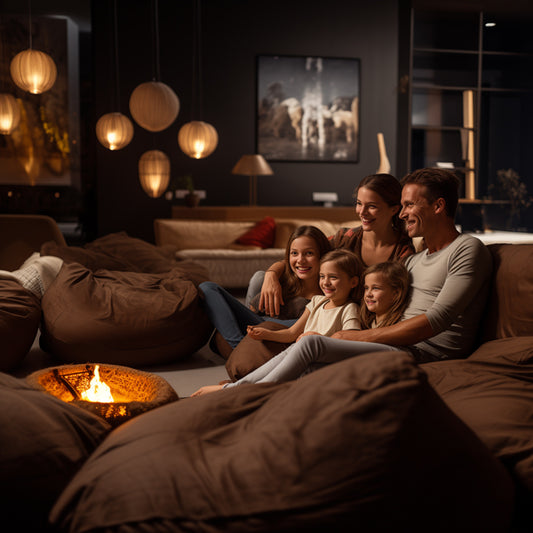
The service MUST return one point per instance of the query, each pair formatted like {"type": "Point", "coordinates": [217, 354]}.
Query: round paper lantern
{"type": "Point", "coordinates": [114, 130]}
{"type": "Point", "coordinates": [154, 105]}
{"type": "Point", "coordinates": [154, 172]}
{"type": "Point", "coordinates": [9, 113]}
{"type": "Point", "coordinates": [198, 139]}
{"type": "Point", "coordinates": [33, 71]}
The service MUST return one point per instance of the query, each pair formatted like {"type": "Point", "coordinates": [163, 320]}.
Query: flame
{"type": "Point", "coordinates": [98, 391]}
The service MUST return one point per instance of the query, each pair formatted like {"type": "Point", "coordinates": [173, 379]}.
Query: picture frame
{"type": "Point", "coordinates": [308, 108]}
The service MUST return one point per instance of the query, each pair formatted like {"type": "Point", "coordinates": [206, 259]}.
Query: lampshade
{"type": "Point", "coordinates": [114, 130]}
{"type": "Point", "coordinates": [154, 105]}
{"type": "Point", "coordinates": [33, 71]}
{"type": "Point", "coordinates": [9, 113]}
{"type": "Point", "coordinates": [198, 139]}
{"type": "Point", "coordinates": [252, 165]}
{"type": "Point", "coordinates": [154, 172]}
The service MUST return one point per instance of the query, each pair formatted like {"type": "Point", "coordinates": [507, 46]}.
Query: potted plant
{"type": "Point", "coordinates": [187, 182]}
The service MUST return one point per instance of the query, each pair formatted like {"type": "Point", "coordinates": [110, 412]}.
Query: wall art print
{"type": "Point", "coordinates": [308, 108]}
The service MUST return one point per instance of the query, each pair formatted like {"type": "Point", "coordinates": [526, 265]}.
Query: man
{"type": "Point", "coordinates": [449, 282]}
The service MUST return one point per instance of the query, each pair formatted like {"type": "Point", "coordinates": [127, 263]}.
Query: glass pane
{"type": "Point", "coordinates": [448, 69]}
{"type": "Point", "coordinates": [452, 31]}
{"type": "Point", "coordinates": [507, 72]}
{"type": "Point", "coordinates": [433, 107]}
{"type": "Point", "coordinates": [507, 35]}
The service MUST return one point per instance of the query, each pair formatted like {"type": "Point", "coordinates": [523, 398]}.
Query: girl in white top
{"type": "Point", "coordinates": [386, 287]}
{"type": "Point", "coordinates": [336, 310]}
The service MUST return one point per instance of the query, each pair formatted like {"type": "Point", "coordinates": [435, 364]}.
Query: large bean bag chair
{"type": "Point", "coordinates": [361, 445]}
{"type": "Point", "coordinates": [44, 441]}
{"type": "Point", "coordinates": [124, 318]}
{"type": "Point", "coordinates": [20, 314]}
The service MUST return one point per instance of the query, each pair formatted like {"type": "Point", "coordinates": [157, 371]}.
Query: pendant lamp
{"type": "Point", "coordinates": [32, 70]}
{"type": "Point", "coordinates": [115, 130]}
{"type": "Point", "coordinates": [9, 113]}
{"type": "Point", "coordinates": [154, 172]}
{"type": "Point", "coordinates": [153, 104]}
{"type": "Point", "coordinates": [197, 138]}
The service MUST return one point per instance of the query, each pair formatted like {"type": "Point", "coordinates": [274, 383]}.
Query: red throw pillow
{"type": "Point", "coordinates": [262, 234]}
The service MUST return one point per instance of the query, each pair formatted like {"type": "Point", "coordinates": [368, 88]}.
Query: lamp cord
{"type": "Point", "coordinates": [155, 39]}
{"type": "Point", "coordinates": [29, 23]}
{"type": "Point", "coordinates": [115, 43]}
{"type": "Point", "coordinates": [197, 63]}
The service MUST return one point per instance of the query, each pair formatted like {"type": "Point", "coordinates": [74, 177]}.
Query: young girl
{"type": "Point", "coordinates": [386, 286]}
{"type": "Point", "coordinates": [230, 317]}
{"type": "Point", "coordinates": [335, 310]}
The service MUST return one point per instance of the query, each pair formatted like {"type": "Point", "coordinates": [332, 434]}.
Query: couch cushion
{"type": "Point", "coordinates": [365, 442]}
{"type": "Point", "coordinates": [492, 392]}
{"type": "Point", "coordinates": [123, 318]}
{"type": "Point", "coordinates": [261, 235]}
{"type": "Point", "coordinates": [44, 442]}
{"type": "Point", "coordinates": [510, 305]}
{"type": "Point", "coordinates": [20, 315]}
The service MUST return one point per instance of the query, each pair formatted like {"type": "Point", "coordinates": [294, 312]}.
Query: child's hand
{"type": "Point", "coordinates": [256, 332]}
{"type": "Point", "coordinates": [307, 333]}
{"type": "Point", "coordinates": [206, 390]}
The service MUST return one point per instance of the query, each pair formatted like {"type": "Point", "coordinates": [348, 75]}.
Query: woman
{"type": "Point", "coordinates": [380, 238]}
{"type": "Point", "coordinates": [298, 284]}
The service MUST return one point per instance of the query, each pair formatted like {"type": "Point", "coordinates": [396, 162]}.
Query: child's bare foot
{"type": "Point", "coordinates": [206, 390]}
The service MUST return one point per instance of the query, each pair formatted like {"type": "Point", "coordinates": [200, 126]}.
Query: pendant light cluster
{"type": "Point", "coordinates": [31, 70]}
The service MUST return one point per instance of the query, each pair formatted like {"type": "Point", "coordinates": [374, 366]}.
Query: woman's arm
{"type": "Point", "coordinates": [271, 295]}
{"type": "Point", "coordinates": [281, 335]}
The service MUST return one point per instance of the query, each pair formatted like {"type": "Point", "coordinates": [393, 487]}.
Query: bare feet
{"type": "Point", "coordinates": [206, 390]}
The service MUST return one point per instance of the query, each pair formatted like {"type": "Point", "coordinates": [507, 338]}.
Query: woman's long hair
{"type": "Point", "coordinates": [397, 277]}
{"type": "Point", "coordinates": [290, 282]}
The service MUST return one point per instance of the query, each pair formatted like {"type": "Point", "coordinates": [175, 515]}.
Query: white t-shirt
{"type": "Point", "coordinates": [328, 321]}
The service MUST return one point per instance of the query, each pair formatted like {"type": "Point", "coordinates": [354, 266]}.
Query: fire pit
{"type": "Point", "coordinates": [116, 393]}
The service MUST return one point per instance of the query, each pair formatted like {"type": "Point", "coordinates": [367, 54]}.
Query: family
{"type": "Point", "coordinates": [365, 289]}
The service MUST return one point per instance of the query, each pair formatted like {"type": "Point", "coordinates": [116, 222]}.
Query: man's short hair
{"type": "Point", "coordinates": [439, 183]}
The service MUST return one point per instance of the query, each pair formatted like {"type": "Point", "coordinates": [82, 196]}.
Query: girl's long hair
{"type": "Point", "coordinates": [290, 282]}
{"type": "Point", "coordinates": [397, 277]}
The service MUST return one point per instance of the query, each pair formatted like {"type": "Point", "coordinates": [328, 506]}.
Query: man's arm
{"type": "Point", "coordinates": [271, 298]}
{"type": "Point", "coordinates": [405, 333]}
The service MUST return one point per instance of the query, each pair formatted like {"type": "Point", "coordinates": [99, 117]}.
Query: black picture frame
{"type": "Point", "coordinates": [308, 108]}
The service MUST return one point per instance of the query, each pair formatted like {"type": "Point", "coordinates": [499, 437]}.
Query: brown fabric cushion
{"type": "Point", "coordinates": [510, 305]}
{"type": "Point", "coordinates": [362, 445]}
{"type": "Point", "coordinates": [44, 442]}
{"type": "Point", "coordinates": [20, 315]}
{"type": "Point", "coordinates": [492, 392]}
{"type": "Point", "coordinates": [251, 353]}
{"type": "Point", "coordinates": [123, 318]}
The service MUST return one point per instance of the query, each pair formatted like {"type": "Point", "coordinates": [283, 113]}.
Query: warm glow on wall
{"type": "Point", "coordinates": [9, 113]}
{"type": "Point", "coordinates": [154, 172]}
{"type": "Point", "coordinates": [114, 130]}
{"type": "Point", "coordinates": [154, 105]}
{"type": "Point", "coordinates": [198, 139]}
{"type": "Point", "coordinates": [33, 71]}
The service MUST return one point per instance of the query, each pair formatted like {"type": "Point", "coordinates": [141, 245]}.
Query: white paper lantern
{"type": "Point", "coordinates": [154, 105]}
{"type": "Point", "coordinates": [33, 71]}
{"type": "Point", "coordinates": [198, 139]}
{"type": "Point", "coordinates": [9, 113]}
{"type": "Point", "coordinates": [114, 130]}
{"type": "Point", "coordinates": [154, 172]}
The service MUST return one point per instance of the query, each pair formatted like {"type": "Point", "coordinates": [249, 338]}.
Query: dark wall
{"type": "Point", "coordinates": [234, 33]}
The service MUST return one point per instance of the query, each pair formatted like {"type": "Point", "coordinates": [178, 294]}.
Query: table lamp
{"type": "Point", "coordinates": [252, 165]}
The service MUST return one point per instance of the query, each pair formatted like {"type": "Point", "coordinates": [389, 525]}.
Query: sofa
{"type": "Point", "coordinates": [243, 242]}
{"type": "Point", "coordinates": [375, 443]}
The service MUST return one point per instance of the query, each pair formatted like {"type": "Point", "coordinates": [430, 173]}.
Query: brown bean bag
{"type": "Point", "coordinates": [44, 442]}
{"type": "Point", "coordinates": [123, 318]}
{"type": "Point", "coordinates": [250, 353]}
{"type": "Point", "coordinates": [20, 314]}
{"type": "Point", "coordinates": [492, 392]}
{"type": "Point", "coordinates": [362, 445]}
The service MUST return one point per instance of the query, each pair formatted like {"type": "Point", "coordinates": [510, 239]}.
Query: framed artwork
{"type": "Point", "coordinates": [44, 148]}
{"type": "Point", "coordinates": [308, 108]}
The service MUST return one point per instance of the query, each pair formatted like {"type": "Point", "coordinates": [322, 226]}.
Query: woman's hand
{"type": "Point", "coordinates": [206, 390]}
{"type": "Point", "coordinates": [271, 298]}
